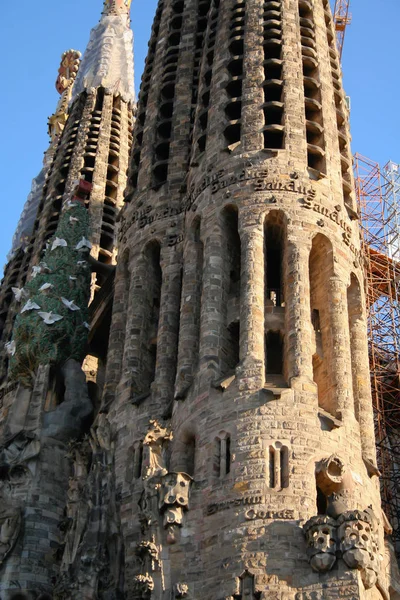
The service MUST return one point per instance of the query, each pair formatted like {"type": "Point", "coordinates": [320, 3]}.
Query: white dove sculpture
{"type": "Point", "coordinates": [30, 305]}
{"type": "Point", "coordinates": [46, 287]}
{"type": "Point", "coordinates": [73, 220]}
{"type": "Point", "coordinates": [35, 271]}
{"type": "Point", "coordinates": [49, 318]}
{"type": "Point", "coordinates": [10, 348]}
{"type": "Point", "coordinates": [19, 293]}
{"type": "Point", "coordinates": [69, 304]}
{"type": "Point", "coordinates": [83, 245]}
{"type": "Point", "coordinates": [58, 243]}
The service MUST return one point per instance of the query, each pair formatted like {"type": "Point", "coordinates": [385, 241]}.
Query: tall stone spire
{"type": "Point", "coordinates": [108, 59]}
{"type": "Point", "coordinates": [117, 7]}
{"type": "Point", "coordinates": [85, 172]}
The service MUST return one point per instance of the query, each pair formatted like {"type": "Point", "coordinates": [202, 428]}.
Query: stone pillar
{"type": "Point", "coordinates": [253, 94]}
{"type": "Point", "coordinates": [117, 332]}
{"type": "Point", "coordinates": [189, 331]}
{"type": "Point", "coordinates": [252, 352]}
{"type": "Point", "coordinates": [168, 328]}
{"type": "Point", "coordinates": [137, 312]}
{"type": "Point", "coordinates": [298, 348]}
{"type": "Point", "coordinates": [213, 317]}
{"type": "Point", "coordinates": [341, 357]}
{"type": "Point", "coordinates": [362, 385]}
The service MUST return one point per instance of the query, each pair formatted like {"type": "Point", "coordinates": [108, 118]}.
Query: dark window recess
{"type": "Point", "coordinates": [167, 97]}
{"type": "Point", "coordinates": [273, 108]}
{"type": "Point", "coordinates": [312, 90]}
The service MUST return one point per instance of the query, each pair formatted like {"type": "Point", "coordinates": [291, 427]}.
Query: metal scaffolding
{"type": "Point", "coordinates": [378, 194]}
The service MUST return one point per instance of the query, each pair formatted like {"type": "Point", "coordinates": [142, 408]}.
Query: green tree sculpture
{"type": "Point", "coordinates": [52, 324]}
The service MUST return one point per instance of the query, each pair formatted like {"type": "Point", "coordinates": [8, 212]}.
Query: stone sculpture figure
{"type": "Point", "coordinates": [320, 535]}
{"type": "Point", "coordinates": [155, 442]}
{"type": "Point", "coordinates": [10, 520]}
{"type": "Point", "coordinates": [92, 558]}
{"type": "Point", "coordinates": [77, 507]}
{"type": "Point", "coordinates": [143, 586]}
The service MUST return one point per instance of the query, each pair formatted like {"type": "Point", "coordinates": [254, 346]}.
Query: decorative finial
{"type": "Point", "coordinates": [67, 72]}
{"type": "Point", "coordinates": [117, 7]}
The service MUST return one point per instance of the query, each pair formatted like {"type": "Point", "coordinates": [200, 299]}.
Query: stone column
{"type": "Point", "coordinates": [137, 311]}
{"type": "Point", "coordinates": [213, 315]}
{"type": "Point", "coordinates": [252, 354]}
{"type": "Point", "coordinates": [189, 331]}
{"type": "Point", "coordinates": [253, 94]}
{"type": "Point", "coordinates": [168, 327]}
{"type": "Point", "coordinates": [298, 347]}
{"type": "Point", "coordinates": [362, 385]}
{"type": "Point", "coordinates": [117, 333]}
{"type": "Point", "coordinates": [340, 340]}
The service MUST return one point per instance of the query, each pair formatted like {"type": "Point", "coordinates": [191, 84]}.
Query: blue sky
{"type": "Point", "coordinates": [33, 35]}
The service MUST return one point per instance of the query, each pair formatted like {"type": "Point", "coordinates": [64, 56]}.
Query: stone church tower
{"type": "Point", "coordinates": [232, 455]}
{"type": "Point", "coordinates": [63, 255]}
{"type": "Point", "coordinates": [237, 376]}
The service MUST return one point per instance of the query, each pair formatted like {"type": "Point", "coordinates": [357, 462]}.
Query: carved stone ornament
{"type": "Point", "coordinates": [143, 585]}
{"type": "Point", "coordinates": [320, 535]}
{"type": "Point", "coordinates": [359, 543]}
{"type": "Point", "coordinates": [155, 441]}
{"type": "Point", "coordinates": [149, 555]}
{"type": "Point", "coordinates": [330, 473]}
{"type": "Point", "coordinates": [174, 500]}
{"type": "Point", "coordinates": [10, 521]}
{"type": "Point", "coordinates": [181, 590]}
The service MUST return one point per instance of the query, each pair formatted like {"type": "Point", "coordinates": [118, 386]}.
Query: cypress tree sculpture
{"type": "Point", "coordinates": [52, 324]}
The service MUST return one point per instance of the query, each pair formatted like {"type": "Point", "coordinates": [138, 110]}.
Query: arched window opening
{"type": "Point", "coordinates": [322, 503]}
{"type": "Point", "coordinates": [222, 455]}
{"type": "Point", "coordinates": [184, 454]}
{"type": "Point", "coordinates": [274, 252]}
{"type": "Point", "coordinates": [274, 353]}
{"type": "Point", "coordinates": [320, 271]}
{"type": "Point", "coordinates": [232, 277]}
{"type": "Point", "coordinates": [152, 255]}
{"type": "Point", "coordinates": [271, 470]}
{"type": "Point", "coordinates": [138, 460]}
{"type": "Point", "coordinates": [198, 256]}
{"type": "Point", "coordinates": [278, 466]}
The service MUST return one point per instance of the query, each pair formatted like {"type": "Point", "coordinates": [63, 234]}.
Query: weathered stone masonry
{"type": "Point", "coordinates": [229, 452]}
{"type": "Point", "coordinates": [246, 337]}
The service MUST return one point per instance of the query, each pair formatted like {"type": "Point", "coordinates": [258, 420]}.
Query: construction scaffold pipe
{"type": "Point", "coordinates": [342, 18]}
{"type": "Point", "coordinates": [378, 195]}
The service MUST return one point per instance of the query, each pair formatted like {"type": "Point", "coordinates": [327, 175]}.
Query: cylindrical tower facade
{"type": "Point", "coordinates": [237, 376]}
